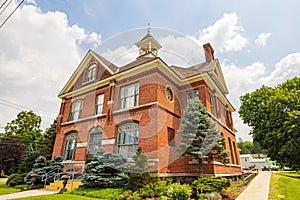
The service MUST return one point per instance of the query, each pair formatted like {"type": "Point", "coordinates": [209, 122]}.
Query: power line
{"type": "Point", "coordinates": [22, 107]}
{"type": "Point", "coordinates": [11, 13]}
{"type": "Point", "coordinates": [3, 4]}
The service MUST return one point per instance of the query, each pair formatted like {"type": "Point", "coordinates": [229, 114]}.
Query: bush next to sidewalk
{"type": "Point", "coordinates": [208, 184]}
{"type": "Point", "coordinates": [15, 179]}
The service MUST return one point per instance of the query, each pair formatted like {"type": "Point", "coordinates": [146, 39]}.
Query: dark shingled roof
{"type": "Point", "coordinates": [136, 63]}
{"type": "Point", "coordinates": [184, 73]}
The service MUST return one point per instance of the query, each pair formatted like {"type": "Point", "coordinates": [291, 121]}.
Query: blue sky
{"type": "Point", "coordinates": [256, 42]}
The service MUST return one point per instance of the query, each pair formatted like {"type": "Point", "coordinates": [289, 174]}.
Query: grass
{"type": "Point", "coordinates": [4, 189]}
{"type": "Point", "coordinates": [65, 196]}
{"type": "Point", "coordinates": [284, 186]}
{"type": "Point", "coordinates": [82, 194]}
{"type": "Point", "coordinates": [100, 193]}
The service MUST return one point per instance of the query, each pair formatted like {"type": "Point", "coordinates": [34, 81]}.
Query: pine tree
{"type": "Point", "coordinates": [41, 167]}
{"type": "Point", "coordinates": [38, 169]}
{"type": "Point", "coordinates": [105, 169]}
{"type": "Point", "coordinates": [200, 137]}
{"type": "Point", "coordinates": [45, 147]}
{"type": "Point", "coordinates": [139, 174]}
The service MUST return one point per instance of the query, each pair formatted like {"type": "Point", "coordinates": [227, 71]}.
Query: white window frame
{"type": "Point", "coordinates": [75, 111]}
{"type": "Point", "coordinates": [70, 146]}
{"type": "Point", "coordinates": [95, 145]}
{"type": "Point", "coordinates": [128, 136]}
{"type": "Point", "coordinates": [91, 73]}
{"type": "Point", "coordinates": [99, 104]}
{"type": "Point", "coordinates": [129, 96]}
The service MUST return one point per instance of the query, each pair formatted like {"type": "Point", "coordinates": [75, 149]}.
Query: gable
{"type": "Point", "coordinates": [104, 69]}
{"type": "Point", "coordinates": [218, 77]}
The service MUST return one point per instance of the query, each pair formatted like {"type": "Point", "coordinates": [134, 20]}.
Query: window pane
{"type": "Point", "coordinates": [129, 96]}
{"type": "Point", "coordinates": [128, 139]}
{"type": "Point", "coordinates": [99, 104]}
{"type": "Point", "coordinates": [70, 146]}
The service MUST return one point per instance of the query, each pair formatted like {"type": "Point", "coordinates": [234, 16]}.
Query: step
{"type": "Point", "coordinates": [57, 185]}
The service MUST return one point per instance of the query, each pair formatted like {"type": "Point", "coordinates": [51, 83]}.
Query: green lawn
{"type": "Point", "coordinates": [58, 197]}
{"type": "Point", "coordinates": [83, 193]}
{"type": "Point", "coordinates": [284, 186]}
{"type": "Point", "coordinates": [7, 190]}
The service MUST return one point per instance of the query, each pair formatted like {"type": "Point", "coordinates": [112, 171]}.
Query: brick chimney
{"type": "Point", "coordinates": [209, 52]}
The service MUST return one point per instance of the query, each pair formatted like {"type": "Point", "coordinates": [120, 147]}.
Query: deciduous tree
{"type": "Point", "coordinates": [274, 115]}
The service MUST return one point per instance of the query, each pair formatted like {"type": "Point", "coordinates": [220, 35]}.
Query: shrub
{"type": "Point", "coordinates": [139, 172]}
{"type": "Point", "coordinates": [15, 179]}
{"type": "Point", "coordinates": [176, 191]}
{"type": "Point", "coordinates": [209, 184]}
{"type": "Point", "coordinates": [156, 189]}
{"type": "Point", "coordinates": [129, 195]}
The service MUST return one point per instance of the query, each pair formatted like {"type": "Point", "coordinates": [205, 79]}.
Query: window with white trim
{"type": "Point", "coordinates": [191, 95]}
{"type": "Point", "coordinates": [129, 96]}
{"type": "Point", "coordinates": [91, 72]}
{"type": "Point", "coordinates": [75, 110]}
{"type": "Point", "coordinates": [70, 146]}
{"type": "Point", "coordinates": [128, 136]}
{"type": "Point", "coordinates": [95, 140]}
{"type": "Point", "coordinates": [99, 104]}
{"type": "Point", "coordinates": [212, 104]}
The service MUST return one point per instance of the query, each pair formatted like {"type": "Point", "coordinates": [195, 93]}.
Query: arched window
{"type": "Point", "coordinates": [75, 110]}
{"type": "Point", "coordinates": [231, 151]}
{"type": "Point", "coordinates": [128, 136]}
{"type": "Point", "coordinates": [95, 140]}
{"type": "Point", "coordinates": [70, 146]}
{"type": "Point", "coordinates": [91, 72]}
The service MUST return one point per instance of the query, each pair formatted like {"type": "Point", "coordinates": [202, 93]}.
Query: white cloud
{"type": "Point", "coordinates": [225, 34]}
{"type": "Point", "coordinates": [287, 68]}
{"type": "Point", "coordinates": [244, 80]}
{"type": "Point", "coordinates": [38, 55]}
{"type": "Point", "coordinates": [262, 39]}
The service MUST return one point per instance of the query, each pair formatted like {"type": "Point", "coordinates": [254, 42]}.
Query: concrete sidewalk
{"type": "Point", "coordinates": [258, 188]}
{"type": "Point", "coordinates": [27, 193]}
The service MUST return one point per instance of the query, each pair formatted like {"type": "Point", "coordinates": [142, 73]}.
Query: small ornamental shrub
{"type": "Point", "coordinates": [15, 179]}
{"type": "Point", "coordinates": [129, 195]}
{"type": "Point", "coordinates": [176, 191]}
{"type": "Point", "coordinates": [207, 184]}
{"type": "Point", "coordinates": [156, 189]}
{"type": "Point", "coordinates": [139, 172]}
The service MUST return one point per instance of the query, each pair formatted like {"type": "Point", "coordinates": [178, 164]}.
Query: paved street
{"type": "Point", "coordinates": [258, 188]}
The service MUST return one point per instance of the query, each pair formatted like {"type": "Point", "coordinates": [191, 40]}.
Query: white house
{"type": "Point", "coordinates": [247, 160]}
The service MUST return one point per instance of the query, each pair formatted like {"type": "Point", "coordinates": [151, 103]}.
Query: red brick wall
{"type": "Point", "coordinates": [153, 120]}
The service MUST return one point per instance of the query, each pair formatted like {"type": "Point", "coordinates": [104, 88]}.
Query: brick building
{"type": "Point", "coordinates": [141, 104]}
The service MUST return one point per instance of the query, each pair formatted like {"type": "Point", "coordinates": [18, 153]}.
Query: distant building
{"type": "Point", "coordinates": [141, 104]}
{"type": "Point", "coordinates": [247, 160]}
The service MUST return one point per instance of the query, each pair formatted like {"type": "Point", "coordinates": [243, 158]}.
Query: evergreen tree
{"type": "Point", "coordinates": [45, 147]}
{"type": "Point", "coordinates": [200, 137]}
{"type": "Point", "coordinates": [139, 173]}
{"type": "Point", "coordinates": [105, 169]}
{"type": "Point", "coordinates": [39, 169]}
